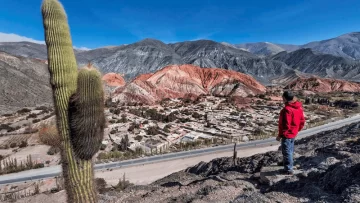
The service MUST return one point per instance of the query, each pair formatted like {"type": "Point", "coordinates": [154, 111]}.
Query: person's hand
{"type": "Point", "coordinates": [278, 138]}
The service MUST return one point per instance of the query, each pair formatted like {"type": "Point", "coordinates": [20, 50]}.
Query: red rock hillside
{"type": "Point", "coordinates": [316, 84]}
{"type": "Point", "coordinates": [113, 80]}
{"type": "Point", "coordinates": [187, 81]}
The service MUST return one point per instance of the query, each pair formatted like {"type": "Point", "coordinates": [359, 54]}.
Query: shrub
{"type": "Point", "coordinates": [102, 155]}
{"type": "Point", "coordinates": [167, 128]}
{"type": "Point", "coordinates": [186, 112]}
{"type": "Point", "coordinates": [53, 150]}
{"type": "Point", "coordinates": [115, 154]}
{"type": "Point", "coordinates": [196, 115]}
{"type": "Point", "coordinates": [23, 144]}
{"type": "Point", "coordinates": [47, 162]}
{"type": "Point", "coordinates": [138, 138]}
{"type": "Point", "coordinates": [24, 110]}
{"type": "Point", "coordinates": [36, 120]}
{"type": "Point", "coordinates": [113, 131]}
{"type": "Point", "coordinates": [117, 111]}
{"type": "Point", "coordinates": [124, 143]}
{"type": "Point", "coordinates": [47, 116]}
{"type": "Point", "coordinates": [184, 120]}
{"type": "Point", "coordinates": [13, 145]}
{"type": "Point", "coordinates": [152, 130]}
{"type": "Point", "coordinates": [102, 146]}
{"type": "Point", "coordinates": [39, 165]}
{"type": "Point", "coordinates": [11, 129]}
{"type": "Point", "coordinates": [43, 108]}
{"type": "Point", "coordinates": [123, 118]}
{"type": "Point", "coordinates": [100, 185]}
{"type": "Point", "coordinates": [7, 115]}
{"type": "Point", "coordinates": [32, 115]}
{"type": "Point", "coordinates": [44, 112]}
{"type": "Point", "coordinates": [133, 126]}
{"type": "Point", "coordinates": [54, 190]}
{"type": "Point", "coordinates": [48, 135]}
{"type": "Point", "coordinates": [5, 127]}
{"type": "Point", "coordinates": [123, 184]}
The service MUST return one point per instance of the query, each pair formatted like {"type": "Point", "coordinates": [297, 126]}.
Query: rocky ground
{"type": "Point", "coordinates": [328, 170]}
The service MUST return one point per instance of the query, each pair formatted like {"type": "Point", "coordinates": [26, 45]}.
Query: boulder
{"type": "Point", "coordinates": [271, 175]}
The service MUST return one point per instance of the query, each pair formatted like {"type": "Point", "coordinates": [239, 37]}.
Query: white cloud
{"type": "Point", "coordinates": [5, 37]}
{"type": "Point", "coordinates": [205, 36]}
{"type": "Point", "coordinates": [10, 37]}
{"type": "Point", "coordinates": [82, 48]}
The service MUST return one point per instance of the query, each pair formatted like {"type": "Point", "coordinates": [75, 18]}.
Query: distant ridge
{"type": "Point", "coordinates": [187, 81]}
{"type": "Point", "coordinates": [266, 62]}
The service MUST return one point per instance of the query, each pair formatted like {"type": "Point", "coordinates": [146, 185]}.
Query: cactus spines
{"type": "Point", "coordinates": [78, 172]}
{"type": "Point", "coordinates": [86, 114]}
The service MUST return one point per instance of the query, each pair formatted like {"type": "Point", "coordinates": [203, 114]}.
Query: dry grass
{"type": "Point", "coordinates": [17, 139]}
{"type": "Point", "coordinates": [48, 135]}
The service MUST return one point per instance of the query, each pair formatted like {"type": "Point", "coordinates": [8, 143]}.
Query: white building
{"type": "Point", "coordinates": [193, 136]}
{"type": "Point", "coordinates": [105, 142]}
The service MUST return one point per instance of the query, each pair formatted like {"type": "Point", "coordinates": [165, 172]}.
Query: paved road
{"type": "Point", "coordinates": [56, 170]}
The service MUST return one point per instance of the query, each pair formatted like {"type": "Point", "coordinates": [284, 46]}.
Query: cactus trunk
{"type": "Point", "coordinates": [77, 170]}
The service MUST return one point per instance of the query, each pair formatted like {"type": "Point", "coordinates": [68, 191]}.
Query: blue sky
{"type": "Point", "coordinates": [96, 23]}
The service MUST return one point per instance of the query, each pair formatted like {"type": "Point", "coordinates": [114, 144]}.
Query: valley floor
{"type": "Point", "coordinates": [328, 167]}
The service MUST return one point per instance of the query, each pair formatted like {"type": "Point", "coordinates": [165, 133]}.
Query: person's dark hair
{"type": "Point", "coordinates": [288, 95]}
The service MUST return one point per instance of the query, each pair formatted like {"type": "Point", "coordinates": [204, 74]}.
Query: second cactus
{"type": "Point", "coordinates": [86, 114]}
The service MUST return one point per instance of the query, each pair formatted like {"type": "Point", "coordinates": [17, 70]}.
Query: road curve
{"type": "Point", "coordinates": [53, 171]}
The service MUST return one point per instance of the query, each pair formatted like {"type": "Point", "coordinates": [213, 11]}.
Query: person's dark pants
{"type": "Point", "coordinates": [287, 147]}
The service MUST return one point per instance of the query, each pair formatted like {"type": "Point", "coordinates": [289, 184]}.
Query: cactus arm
{"type": "Point", "coordinates": [86, 114]}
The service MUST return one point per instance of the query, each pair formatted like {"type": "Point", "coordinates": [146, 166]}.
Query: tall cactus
{"type": "Point", "coordinates": [80, 127]}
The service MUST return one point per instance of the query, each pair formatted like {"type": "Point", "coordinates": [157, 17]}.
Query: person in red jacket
{"type": "Point", "coordinates": [291, 121]}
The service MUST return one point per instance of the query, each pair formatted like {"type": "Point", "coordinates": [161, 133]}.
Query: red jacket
{"type": "Point", "coordinates": [291, 120]}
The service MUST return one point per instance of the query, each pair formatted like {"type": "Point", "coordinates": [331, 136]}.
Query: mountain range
{"type": "Point", "coordinates": [266, 48]}
{"type": "Point", "coordinates": [24, 82]}
{"type": "Point", "coordinates": [324, 65]}
{"type": "Point", "coordinates": [23, 64]}
{"type": "Point", "coordinates": [347, 45]}
{"type": "Point", "coordinates": [263, 61]}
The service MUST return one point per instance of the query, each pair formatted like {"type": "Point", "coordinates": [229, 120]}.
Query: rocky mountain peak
{"type": "Point", "coordinates": [178, 81]}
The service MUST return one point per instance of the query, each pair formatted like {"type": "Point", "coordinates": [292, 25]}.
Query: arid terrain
{"type": "Point", "coordinates": [327, 167]}
{"type": "Point", "coordinates": [173, 125]}
{"type": "Point", "coordinates": [327, 171]}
